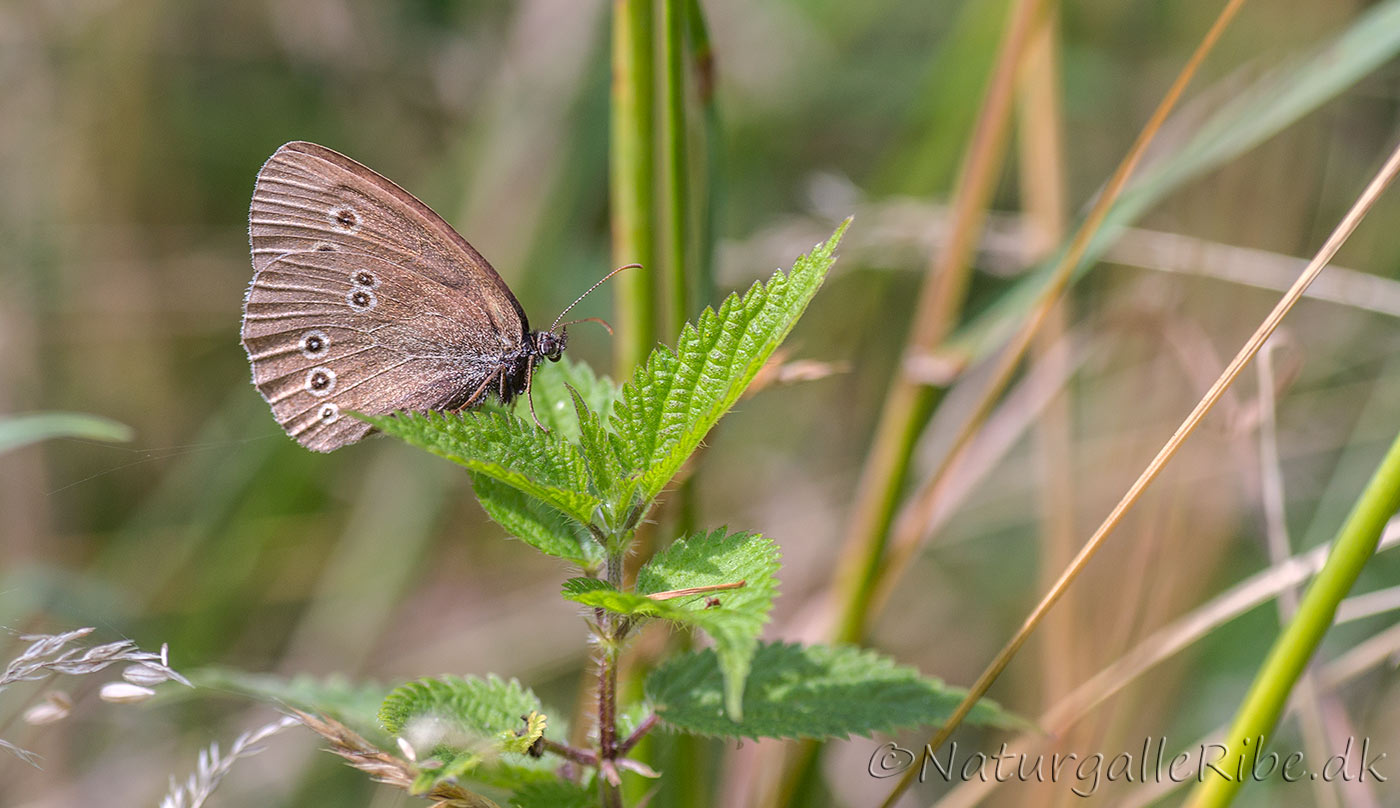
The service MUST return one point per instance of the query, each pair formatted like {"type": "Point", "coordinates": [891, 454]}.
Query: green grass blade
{"type": "Point", "coordinates": [22, 430]}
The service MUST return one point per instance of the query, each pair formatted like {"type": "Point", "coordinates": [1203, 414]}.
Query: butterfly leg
{"type": "Point", "coordinates": [476, 395]}
{"type": "Point", "coordinates": [530, 392]}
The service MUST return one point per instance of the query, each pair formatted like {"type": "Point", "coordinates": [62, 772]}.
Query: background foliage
{"type": "Point", "coordinates": [131, 135]}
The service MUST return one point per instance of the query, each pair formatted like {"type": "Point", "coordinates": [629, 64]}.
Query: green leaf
{"type": "Point", "coordinates": [813, 691]}
{"type": "Point", "coordinates": [555, 794]}
{"type": "Point", "coordinates": [537, 524]}
{"type": "Point", "coordinates": [505, 448]}
{"type": "Point", "coordinates": [601, 453]}
{"type": "Point", "coordinates": [675, 397]}
{"type": "Point", "coordinates": [354, 704]}
{"type": "Point", "coordinates": [22, 430]}
{"type": "Point", "coordinates": [732, 617]}
{"type": "Point", "coordinates": [600, 594]}
{"type": "Point", "coordinates": [581, 589]}
{"type": "Point", "coordinates": [467, 726]}
{"type": "Point", "coordinates": [738, 618]}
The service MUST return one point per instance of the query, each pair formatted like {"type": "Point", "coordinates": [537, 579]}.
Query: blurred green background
{"type": "Point", "coordinates": [130, 135]}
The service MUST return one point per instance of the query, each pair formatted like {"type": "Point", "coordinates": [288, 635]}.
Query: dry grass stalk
{"type": "Point", "coordinates": [384, 767]}
{"type": "Point", "coordinates": [214, 766]}
{"type": "Point", "coordinates": [51, 654]}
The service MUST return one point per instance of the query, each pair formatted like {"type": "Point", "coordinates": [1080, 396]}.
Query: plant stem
{"type": "Point", "coordinates": [1268, 695]}
{"type": "Point", "coordinates": [674, 160]}
{"type": "Point", "coordinates": [1041, 164]}
{"type": "Point", "coordinates": [909, 402]}
{"type": "Point", "coordinates": [611, 631]}
{"type": "Point", "coordinates": [637, 734]}
{"type": "Point", "coordinates": [563, 750]}
{"type": "Point", "coordinates": [703, 65]}
{"type": "Point", "coordinates": [632, 156]}
{"type": "Point", "coordinates": [607, 722]}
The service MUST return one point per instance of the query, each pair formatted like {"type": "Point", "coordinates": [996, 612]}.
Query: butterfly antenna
{"type": "Point", "coordinates": [598, 320]}
{"type": "Point", "coordinates": [605, 279]}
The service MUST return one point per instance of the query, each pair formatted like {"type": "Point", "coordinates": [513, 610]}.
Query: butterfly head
{"type": "Point", "coordinates": [550, 345]}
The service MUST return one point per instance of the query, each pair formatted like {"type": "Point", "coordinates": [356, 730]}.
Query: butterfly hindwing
{"type": "Point", "coordinates": [329, 331]}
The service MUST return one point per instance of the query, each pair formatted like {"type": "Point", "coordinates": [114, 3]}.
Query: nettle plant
{"type": "Point", "coordinates": [579, 492]}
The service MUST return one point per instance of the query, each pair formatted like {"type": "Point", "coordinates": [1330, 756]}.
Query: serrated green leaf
{"type": "Point", "coordinates": [600, 452]}
{"type": "Point", "coordinates": [537, 524]}
{"type": "Point", "coordinates": [466, 726]}
{"type": "Point", "coordinates": [555, 794]}
{"type": "Point", "coordinates": [355, 704]}
{"type": "Point", "coordinates": [675, 397]}
{"type": "Point", "coordinates": [485, 707]}
{"type": "Point", "coordinates": [505, 448]}
{"type": "Point", "coordinates": [737, 617]}
{"type": "Point", "coordinates": [732, 617]}
{"type": "Point", "coordinates": [813, 691]}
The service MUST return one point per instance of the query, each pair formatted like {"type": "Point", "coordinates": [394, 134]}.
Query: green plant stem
{"type": "Point", "coordinates": [632, 158]}
{"type": "Point", "coordinates": [702, 56]}
{"type": "Point", "coordinates": [1268, 695]}
{"type": "Point", "coordinates": [909, 402]}
{"type": "Point", "coordinates": [674, 159]}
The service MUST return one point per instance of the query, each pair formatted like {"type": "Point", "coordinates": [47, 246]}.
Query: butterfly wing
{"type": "Point", "coordinates": [329, 331]}
{"type": "Point", "coordinates": [428, 331]}
{"type": "Point", "coordinates": [311, 198]}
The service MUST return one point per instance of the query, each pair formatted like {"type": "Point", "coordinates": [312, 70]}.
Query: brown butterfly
{"type": "Point", "coordinates": [364, 299]}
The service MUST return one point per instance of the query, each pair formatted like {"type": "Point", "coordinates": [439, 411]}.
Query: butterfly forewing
{"type": "Point", "coordinates": [365, 300]}
{"type": "Point", "coordinates": [310, 198]}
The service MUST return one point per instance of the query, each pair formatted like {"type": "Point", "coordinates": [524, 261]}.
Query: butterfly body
{"type": "Point", "coordinates": [365, 300]}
